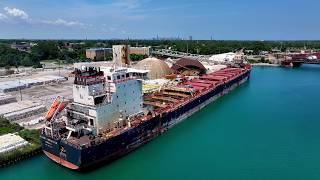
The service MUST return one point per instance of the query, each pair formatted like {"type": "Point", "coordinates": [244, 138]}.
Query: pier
{"type": "Point", "coordinates": [299, 62]}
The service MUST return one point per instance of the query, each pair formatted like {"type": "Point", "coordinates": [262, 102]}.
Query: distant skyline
{"type": "Point", "coordinates": [146, 19]}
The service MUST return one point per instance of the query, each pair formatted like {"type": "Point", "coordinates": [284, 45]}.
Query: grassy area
{"type": "Point", "coordinates": [32, 136]}
{"type": "Point", "coordinates": [7, 127]}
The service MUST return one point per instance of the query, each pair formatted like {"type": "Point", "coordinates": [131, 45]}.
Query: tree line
{"type": "Point", "coordinates": [44, 50]}
{"type": "Point", "coordinates": [56, 49]}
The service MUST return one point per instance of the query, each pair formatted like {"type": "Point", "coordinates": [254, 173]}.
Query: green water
{"type": "Point", "coordinates": [266, 129]}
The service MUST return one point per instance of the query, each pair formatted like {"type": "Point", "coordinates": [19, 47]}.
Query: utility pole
{"type": "Point", "coordinates": [59, 66]}
{"type": "Point", "coordinates": [187, 47]}
{"type": "Point", "coordinates": [20, 90]}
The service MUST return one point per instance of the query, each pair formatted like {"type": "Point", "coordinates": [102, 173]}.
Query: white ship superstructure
{"type": "Point", "coordinates": [104, 98]}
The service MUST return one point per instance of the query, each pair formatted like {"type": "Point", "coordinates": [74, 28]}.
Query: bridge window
{"type": "Point", "coordinates": [91, 122]}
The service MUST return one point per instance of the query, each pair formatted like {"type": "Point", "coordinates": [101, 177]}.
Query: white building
{"type": "Point", "coordinates": [227, 57]}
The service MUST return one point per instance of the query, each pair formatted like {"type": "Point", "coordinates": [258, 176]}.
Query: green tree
{"type": "Point", "coordinates": [26, 61]}
{"type": "Point", "coordinates": [137, 57]}
{"type": "Point", "coordinates": [46, 50]}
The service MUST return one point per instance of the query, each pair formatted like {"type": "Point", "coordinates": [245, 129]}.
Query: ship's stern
{"type": "Point", "coordinates": [61, 153]}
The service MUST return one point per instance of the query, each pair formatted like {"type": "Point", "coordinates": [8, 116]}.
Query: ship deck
{"type": "Point", "coordinates": [170, 98]}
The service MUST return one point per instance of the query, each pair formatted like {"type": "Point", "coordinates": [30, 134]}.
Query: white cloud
{"type": "Point", "coordinates": [14, 12]}
{"type": "Point", "coordinates": [61, 22]}
{"type": "Point", "coordinates": [3, 16]}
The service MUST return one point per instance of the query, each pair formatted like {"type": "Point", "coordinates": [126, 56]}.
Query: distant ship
{"type": "Point", "coordinates": [109, 116]}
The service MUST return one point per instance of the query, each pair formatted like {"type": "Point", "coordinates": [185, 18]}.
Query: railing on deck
{"type": "Point", "coordinates": [90, 80]}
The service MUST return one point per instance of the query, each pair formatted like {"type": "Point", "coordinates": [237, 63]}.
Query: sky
{"type": "Point", "coordinates": [146, 19]}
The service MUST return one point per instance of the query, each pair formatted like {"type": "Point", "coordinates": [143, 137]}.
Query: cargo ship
{"type": "Point", "coordinates": [110, 116]}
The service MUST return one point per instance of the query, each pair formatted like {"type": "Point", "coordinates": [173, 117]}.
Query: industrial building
{"type": "Point", "coordinates": [121, 55]}
{"type": "Point", "coordinates": [72, 46]}
{"type": "Point", "coordinates": [10, 142]}
{"type": "Point", "coordinates": [9, 86]}
{"type": "Point", "coordinates": [189, 67]}
{"type": "Point", "coordinates": [22, 109]}
{"type": "Point", "coordinates": [6, 99]}
{"type": "Point", "coordinates": [227, 57]}
{"type": "Point", "coordinates": [22, 46]}
{"type": "Point", "coordinates": [98, 54]}
{"type": "Point", "coordinates": [140, 50]}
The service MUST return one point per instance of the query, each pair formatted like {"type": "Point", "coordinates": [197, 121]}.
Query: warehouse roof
{"type": "Point", "coordinates": [99, 49]}
{"type": "Point", "coordinates": [6, 86]}
{"type": "Point", "coordinates": [186, 64]}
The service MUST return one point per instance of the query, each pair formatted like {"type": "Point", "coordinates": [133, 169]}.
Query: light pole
{"type": "Point", "coordinates": [59, 66]}
{"type": "Point", "coordinates": [20, 90]}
